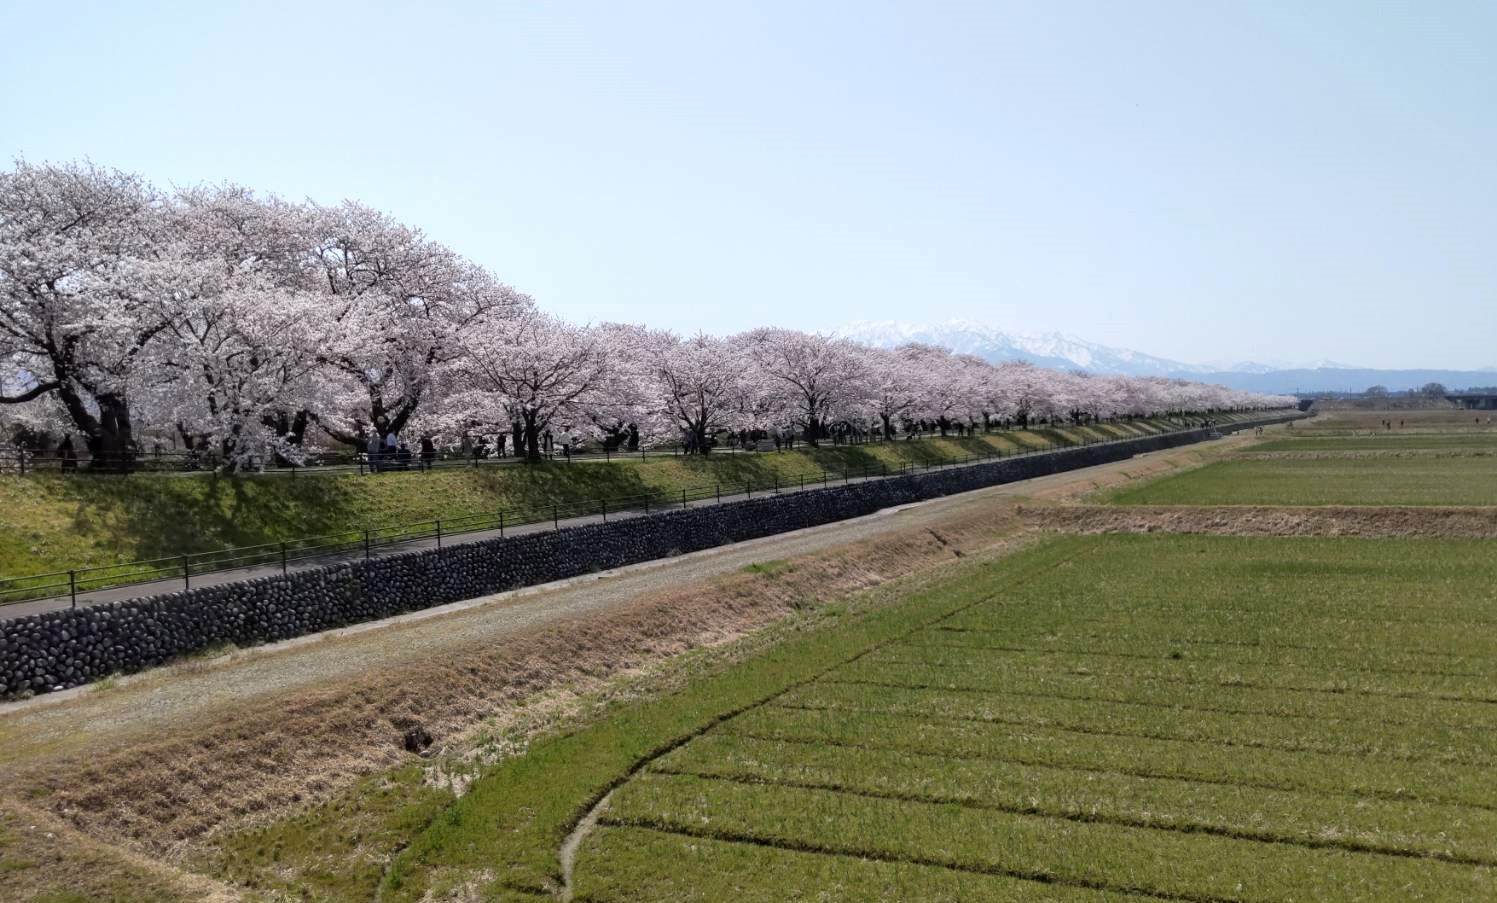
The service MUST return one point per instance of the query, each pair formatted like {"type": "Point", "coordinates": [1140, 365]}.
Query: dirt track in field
{"type": "Point", "coordinates": [160, 760]}
{"type": "Point", "coordinates": [1267, 520]}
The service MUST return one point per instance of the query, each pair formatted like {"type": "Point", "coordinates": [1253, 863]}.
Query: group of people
{"type": "Point", "coordinates": [387, 451]}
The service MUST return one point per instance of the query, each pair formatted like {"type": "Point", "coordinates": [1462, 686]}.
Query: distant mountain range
{"type": "Point", "coordinates": [1055, 349]}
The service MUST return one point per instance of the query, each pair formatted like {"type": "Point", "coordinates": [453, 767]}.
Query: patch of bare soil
{"type": "Point", "coordinates": [1267, 520]}
{"type": "Point", "coordinates": [296, 747]}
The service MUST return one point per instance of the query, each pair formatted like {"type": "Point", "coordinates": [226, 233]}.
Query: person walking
{"type": "Point", "coordinates": [67, 454]}
{"type": "Point", "coordinates": [372, 449]}
{"type": "Point", "coordinates": [428, 451]}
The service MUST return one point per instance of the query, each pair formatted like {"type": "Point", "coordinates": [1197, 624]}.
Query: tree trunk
{"type": "Point", "coordinates": [112, 447]}
{"type": "Point", "coordinates": [532, 438]}
{"type": "Point", "coordinates": [107, 436]}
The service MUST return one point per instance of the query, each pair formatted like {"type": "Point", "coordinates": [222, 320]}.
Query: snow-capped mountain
{"type": "Point", "coordinates": [1067, 352]}
{"type": "Point", "coordinates": [1051, 349]}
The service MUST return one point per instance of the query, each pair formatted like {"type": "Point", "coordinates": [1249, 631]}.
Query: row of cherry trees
{"type": "Point", "coordinates": [262, 327]}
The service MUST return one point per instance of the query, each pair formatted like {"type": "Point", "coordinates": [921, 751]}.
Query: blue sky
{"type": "Point", "coordinates": [1205, 181]}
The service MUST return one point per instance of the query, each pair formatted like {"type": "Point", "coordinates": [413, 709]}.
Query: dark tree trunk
{"type": "Point", "coordinates": [532, 438]}
{"type": "Point", "coordinates": [108, 436]}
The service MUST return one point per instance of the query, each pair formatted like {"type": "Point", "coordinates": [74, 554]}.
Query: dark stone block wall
{"type": "Point", "coordinates": [59, 649]}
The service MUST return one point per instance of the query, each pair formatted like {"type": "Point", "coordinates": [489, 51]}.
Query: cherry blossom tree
{"type": "Point", "coordinates": [699, 386]}
{"type": "Point", "coordinates": [536, 369]}
{"type": "Point", "coordinates": [897, 384]}
{"type": "Point", "coordinates": [400, 302]}
{"type": "Point", "coordinates": [811, 379]}
{"type": "Point", "coordinates": [80, 250]}
{"type": "Point", "coordinates": [240, 320]}
{"type": "Point", "coordinates": [244, 334]}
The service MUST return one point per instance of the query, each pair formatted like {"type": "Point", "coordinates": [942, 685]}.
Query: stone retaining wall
{"type": "Point", "coordinates": [60, 649]}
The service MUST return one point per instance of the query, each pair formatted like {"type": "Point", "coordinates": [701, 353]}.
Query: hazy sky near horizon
{"type": "Point", "coordinates": [1207, 181]}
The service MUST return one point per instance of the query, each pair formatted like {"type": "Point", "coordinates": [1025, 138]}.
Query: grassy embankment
{"type": "Point", "coordinates": [51, 523]}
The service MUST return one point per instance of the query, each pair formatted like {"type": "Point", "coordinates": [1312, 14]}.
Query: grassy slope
{"type": "Point", "coordinates": [49, 523]}
{"type": "Point", "coordinates": [1071, 717]}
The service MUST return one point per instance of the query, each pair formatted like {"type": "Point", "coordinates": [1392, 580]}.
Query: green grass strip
{"type": "Point", "coordinates": [1282, 676]}
{"type": "Point", "coordinates": [1404, 714]}
{"type": "Point", "coordinates": [1448, 784]}
{"type": "Point", "coordinates": [1436, 744]}
{"type": "Point", "coordinates": [644, 866]}
{"type": "Point", "coordinates": [1312, 820]}
{"type": "Point", "coordinates": [1190, 867]}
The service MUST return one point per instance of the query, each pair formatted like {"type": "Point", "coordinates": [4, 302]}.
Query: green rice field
{"type": "Point", "coordinates": [1101, 718]}
{"type": "Point", "coordinates": [1392, 441]}
{"type": "Point", "coordinates": [1327, 480]}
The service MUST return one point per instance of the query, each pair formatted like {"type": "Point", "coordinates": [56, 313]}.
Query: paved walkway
{"type": "Point", "coordinates": [137, 590]}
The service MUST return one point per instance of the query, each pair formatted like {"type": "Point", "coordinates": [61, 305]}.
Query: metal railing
{"type": "Point", "coordinates": [363, 543]}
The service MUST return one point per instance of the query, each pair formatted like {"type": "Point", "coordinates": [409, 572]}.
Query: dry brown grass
{"type": "Point", "coordinates": [1267, 520]}
{"type": "Point", "coordinates": [43, 858]}
{"type": "Point", "coordinates": [161, 794]}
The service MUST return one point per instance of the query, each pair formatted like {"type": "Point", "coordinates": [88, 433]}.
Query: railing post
{"type": "Point", "coordinates": [186, 574]}
{"type": "Point", "coordinates": [683, 500]}
{"type": "Point", "coordinates": [748, 488]}
{"type": "Point", "coordinates": [776, 484]}
{"type": "Point", "coordinates": [603, 503]}
{"type": "Point", "coordinates": [73, 587]}
{"type": "Point", "coordinates": [366, 545]}
{"type": "Point", "coordinates": [719, 493]}
{"type": "Point", "coordinates": [555, 517]}
{"type": "Point", "coordinates": [283, 559]}
{"type": "Point", "coordinates": [501, 524]}
{"type": "Point", "coordinates": [439, 532]}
